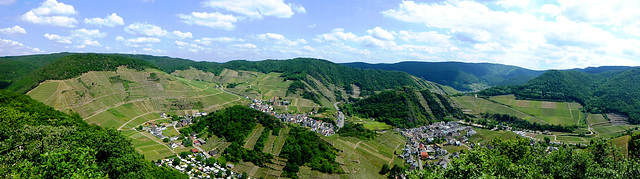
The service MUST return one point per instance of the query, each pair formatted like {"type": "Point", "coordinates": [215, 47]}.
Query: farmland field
{"type": "Point", "coordinates": [475, 106]}
{"type": "Point", "coordinates": [558, 113]}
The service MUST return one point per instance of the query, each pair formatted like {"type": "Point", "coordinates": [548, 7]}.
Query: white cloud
{"type": "Point", "coordinates": [513, 3]}
{"type": "Point", "coordinates": [52, 12]}
{"type": "Point", "coordinates": [13, 30]}
{"type": "Point", "coordinates": [381, 34]}
{"type": "Point", "coordinates": [90, 42]}
{"type": "Point", "coordinates": [189, 47]}
{"type": "Point", "coordinates": [145, 29]}
{"type": "Point", "coordinates": [110, 21]}
{"type": "Point", "coordinates": [10, 47]}
{"type": "Point", "coordinates": [208, 41]}
{"type": "Point", "coordinates": [58, 38]}
{"type": "Point", "coordinates": [256, 9]}
{"type": "Point", "coordinates": [550, 9]}
{"type": "Point", "coordinates": [279, 39]}
{"type": "Point", "coordinates": [620, 14]}
{"type": "Point", "coordinates": [119, 38]}
{"type": "Point", "coordinates": [336, 35]}
{"type": "Point", "coordinates": [182, 35]}
{"type": "Point", "coordinates": [247, 45]}
{"type": "Point", "coordinates": [88, 34]}
{"type": "Point", "coordinates": [143, 40]}
{"type": "Point", "coordinates": [214, 20]}
{"type": "Point", "coordinates": [298, 8]}
{"type": "Point", "coordinates": [428, 37]}
{"type": "Point", "coordinates": [7, 2]}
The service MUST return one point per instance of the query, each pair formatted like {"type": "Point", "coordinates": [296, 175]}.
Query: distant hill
{"type": "Point", "coordinates": [459, 75]}
{"type": "Point", "coordinates": [14, 67]}
{"type": "Point", "coordinates": [609, 91]}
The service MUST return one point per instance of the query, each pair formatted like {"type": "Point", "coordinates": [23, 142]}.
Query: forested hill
{"type": "Point", "coordinates": [404, 108]}
{"type": "Point", "coordinates": [39, 142]}
{"type": "Point", "coordinates": [22, 73]}
{"type": "Point", "coordinates": [610, 91]}
{"type": "Point", "coordinates": [14, 67]}
{"type": "Point", "coordinates": [328, 73]}
{"type": "Point", "coordinates": [73, 65]}
{"type": "Point", "coordinates": [461, 76]}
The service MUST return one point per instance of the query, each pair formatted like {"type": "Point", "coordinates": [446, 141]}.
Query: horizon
{"type": "Point", "coordinates": [533, 35]}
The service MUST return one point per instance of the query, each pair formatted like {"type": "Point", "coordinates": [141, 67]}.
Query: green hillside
{"type": "Point", "coordinates": [40, 142]}
{"type": "Point", "coordinates": [461, 76]}
{"type": "Point", "coordinates": [606, 92]}
{"type": "Point", "coordinates": [74, 65]}
{"type": "Point", "coordinates": [404, 108]}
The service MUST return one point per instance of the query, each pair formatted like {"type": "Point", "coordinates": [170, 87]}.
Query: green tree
{"type": "Point", "coordinates": [547, 140]}
{"type": "Point", "coordinates": [165, 140]}
{"type": "Point", "coordinates": [634, 146]}
{"type": "Point", "coordinates": [384, 170]}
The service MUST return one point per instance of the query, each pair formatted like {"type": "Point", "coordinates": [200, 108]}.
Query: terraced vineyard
{"type": "Point", "coordinates": [256, 85]}
{"type": "Point", "coordinates": [127, 98]}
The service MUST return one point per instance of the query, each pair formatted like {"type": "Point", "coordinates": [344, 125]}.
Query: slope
{"type": "Point", "coordinates": [40, 142]}
{"type": "Point", "coordinates": [404, 108]}
{"type": "Point", "coordinates": [605, 92]}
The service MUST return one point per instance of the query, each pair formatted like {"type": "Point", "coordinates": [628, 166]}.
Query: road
{"type": "Point", "coordinates": [340, 115]}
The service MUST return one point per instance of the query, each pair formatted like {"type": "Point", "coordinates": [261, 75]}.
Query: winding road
{"type": "Point", "coordinates": [340, 115]}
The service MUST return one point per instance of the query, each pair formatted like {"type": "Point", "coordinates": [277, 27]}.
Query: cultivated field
{"type": "Point", "coordinates": [558, 113]}
{"type": "Point", "coordinates": [476, 106]}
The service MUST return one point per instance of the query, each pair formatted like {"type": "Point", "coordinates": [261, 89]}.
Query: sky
{"type": "Point", "coordinates": [544, 34]}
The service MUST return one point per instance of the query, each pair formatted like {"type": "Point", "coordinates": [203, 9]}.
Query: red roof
{"type": "Point", "coordinates": [424, 155]}
{"type": "Point", "coordinates": [194, 150]}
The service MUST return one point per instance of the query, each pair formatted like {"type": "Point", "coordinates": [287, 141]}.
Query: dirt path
{"type": "Point", "coordinates": [394, 156]}
{"type": "Point", "coordinates": [134, 118]}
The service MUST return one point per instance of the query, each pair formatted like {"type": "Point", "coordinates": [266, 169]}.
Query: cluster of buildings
{"type": "Point", "coordinates": [198, 168]}
{"type": "Point", "coordinates": [155, 130]}
{"type": "Point", "coordinates": [323, 128]}
{"type": "Point", "coordinates": [426, 142]}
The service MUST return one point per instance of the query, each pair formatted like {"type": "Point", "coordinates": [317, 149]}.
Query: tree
{"type": "Point", "coordinates": [165, 140]}
{"type": "Point", "coordinates": [176, 161]}
{"type": "Point", "coordinates": [634, 146]}
{"type": "Point", "coordinates": [384, 170]}
{"type": "Point", "coordinates": [244, 175]}
{"type": "Point", "coordinates": [140, 128]}
{"type": "Point", "coordinates": [547, 140]}
{"type": "Point", "coordinates": [189, 167]}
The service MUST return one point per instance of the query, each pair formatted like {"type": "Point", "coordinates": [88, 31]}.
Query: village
{"type": "Point", "coordinates": [305, 120]}
{"type": "Point", "coordinates": [426, 143]}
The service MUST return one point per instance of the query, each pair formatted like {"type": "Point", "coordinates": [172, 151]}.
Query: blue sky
{"type": "Point", "coordinates": [544, 34]}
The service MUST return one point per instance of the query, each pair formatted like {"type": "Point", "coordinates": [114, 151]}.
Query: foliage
{"type": "Point", "coordinates": [634, 146]}
{"type": "Point", "coordinates": [399, 108]}
{"type": "Point", "coordinates": [40, 142]}
{"type": "Point", "coordinates": [516, 122]}
{"type": "Point", "coordinates": [357, 130]}
{"type": "Point", "coordinates": [293, 87]}
{"type": "Point", "coordinates": [235, 123]}
{"type": "Point", "coordinates": [518, 159]}
{"type": "Point", "coordinates": [304, 147]}
{"type": "Point", "coordinates": [233, 85]}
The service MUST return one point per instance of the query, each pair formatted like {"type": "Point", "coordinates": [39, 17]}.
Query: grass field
{"type": "Point", "coordinates": [558, 113]}
{"type": "Point", "coordinates": [596, 118]}
{"type": "Point", "coordinates": [484, 135]}
{"type": "Point", "coordinates": [623, 143]}
{"type": "Point", "coordinates": [253, 137]}
{"type": "Point", "coordinates": [475, 106]}
{"type": "Point", "coordinates": [370, 124]}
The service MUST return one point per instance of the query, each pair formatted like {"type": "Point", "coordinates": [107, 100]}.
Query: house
{"type": "Point", "coordinates": [230, 165]}
{"type": "Point", "coordinates": [424, 155]}
{"type": "Point", "coordinates": [163, 115]}
{"type": "Point", "coordinates": [471, 132]}
{"type": "Point", "coordinates": [213, 152]}
{"type": "Point", "coordinates": [196, 142]}
{"type": "Point", "coordinates": [202, 142]}
{"type": "Point", "coordinates": [194, 150]}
